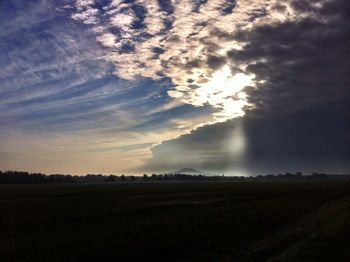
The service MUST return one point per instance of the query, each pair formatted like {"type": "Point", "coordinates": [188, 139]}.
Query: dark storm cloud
{"type": "Point", "coordinates": [316, 140]}
{"type": "Point", "coordinates": [302, 98]}
{"type": "Point", "coordinates": [304, 63]}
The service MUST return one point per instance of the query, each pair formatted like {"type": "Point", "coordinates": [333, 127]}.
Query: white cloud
{"type": "Point", "coordinates": [122, 21]}
{"type": "Point", "coordinates": [107, 39]}
{"type": "Point", "coordinates": [86, 13]}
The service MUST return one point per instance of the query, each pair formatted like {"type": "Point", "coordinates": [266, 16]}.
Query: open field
{"type": "Point", "coordinates": [176, 221]}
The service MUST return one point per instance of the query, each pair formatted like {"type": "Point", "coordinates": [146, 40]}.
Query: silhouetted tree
{"type": "Point", "coordinates": [154, 177]}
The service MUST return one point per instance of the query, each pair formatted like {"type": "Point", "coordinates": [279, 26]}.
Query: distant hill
{"type": "Point", "coordinates": [188, 171]}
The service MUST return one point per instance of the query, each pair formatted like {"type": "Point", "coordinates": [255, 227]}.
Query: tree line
{"type": "Point", "coordinates": [20, 177]}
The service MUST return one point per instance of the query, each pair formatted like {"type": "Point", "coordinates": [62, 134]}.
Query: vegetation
{"type": "Point", "coordinates": [19, 177]}
{"type": "Point", "coordinates": [176, 221]}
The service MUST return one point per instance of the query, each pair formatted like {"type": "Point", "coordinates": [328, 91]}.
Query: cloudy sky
{"type": "Point", "coordinates": [240, 87]}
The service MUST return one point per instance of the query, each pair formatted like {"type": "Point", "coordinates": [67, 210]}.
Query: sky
{"type": "Point", "coordinates": [240, 87]}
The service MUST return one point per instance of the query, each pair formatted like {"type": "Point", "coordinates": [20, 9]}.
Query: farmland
{"type": "Point", "coordinates": [176, 221]}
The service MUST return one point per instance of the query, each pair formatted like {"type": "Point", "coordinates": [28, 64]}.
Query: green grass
{"type": "Point", "coordinates": [175, 221]}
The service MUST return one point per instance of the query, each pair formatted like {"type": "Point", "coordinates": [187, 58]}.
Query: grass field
{"type": "Point", "coordinates": [175, 221]}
